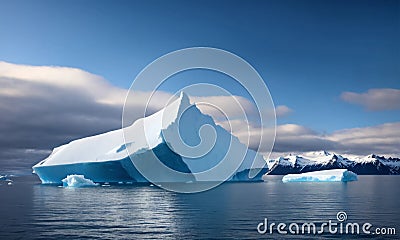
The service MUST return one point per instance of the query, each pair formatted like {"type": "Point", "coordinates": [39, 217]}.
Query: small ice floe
{"type": "Point", "coordinates": [6, 178]}
{"type": "Point", "coordinates": [77, 181]}
{"type": "Point", "coordinates": [9, 182]}
{"type": "Point", "coordinates": [334, 175]}
{"type": "Point", "coordinates": [106, 184]}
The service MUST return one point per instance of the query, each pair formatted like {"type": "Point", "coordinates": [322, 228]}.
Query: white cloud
{"type": "Point", "coordinates": [225, 107]}
{"type": "Point", "coordinates": [377, 99]}
{"type": "Point", "coordinates": [16, 80]}
{"type": "Point", "coordinates": [289, 138]}
{"type": "Point", "coordinates": [282, 111]}
{"type": "Point", "coordinates": [382, 139]}
{"type": "Point", "coordinates": [222, 108]}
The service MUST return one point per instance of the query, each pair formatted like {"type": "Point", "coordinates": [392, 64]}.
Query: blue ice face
{"type": "Point", "coordinates": [334, 175]}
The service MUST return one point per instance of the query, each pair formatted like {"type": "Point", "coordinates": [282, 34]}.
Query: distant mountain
{"type": "Point", "coordinates": [313, 161]}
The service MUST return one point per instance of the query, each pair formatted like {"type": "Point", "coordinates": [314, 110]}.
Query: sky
{"type": "Point", "coordinates": [332, 67]}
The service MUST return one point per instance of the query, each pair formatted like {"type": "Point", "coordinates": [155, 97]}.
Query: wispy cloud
{"type": "Point", "coordinates": [377, 99]}
{"type": "Point", "coordinates": [225, 107]}
{"type": "Point", "coordinates": [292, 138]}
{"type": "Point", "coordinates": [282, 111]}
{"type": "Point", "coordinates": [381, 139]}
{"type": "Point", "coordinates": [289, 138]}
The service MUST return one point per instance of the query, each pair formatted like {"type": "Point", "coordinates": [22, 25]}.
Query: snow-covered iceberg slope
{"type": "Point", "coordinates": [334, 175]}
{"type": "Point", "coordinates": [106, 157]}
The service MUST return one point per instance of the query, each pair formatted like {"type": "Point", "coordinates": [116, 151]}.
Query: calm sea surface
{"type": "Point", "coordinates": [29, 210]}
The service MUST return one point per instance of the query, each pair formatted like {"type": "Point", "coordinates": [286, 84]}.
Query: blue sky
{"type": "Point", "coordinates": [308, 52]}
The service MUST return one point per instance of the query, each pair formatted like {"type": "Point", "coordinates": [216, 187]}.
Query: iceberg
{"type": "Point", "coordinates": [334, 175]}
{"type": "Point", "coordinates": [115, 156]}
{"type": "Point", "coordinates": [77, 181]}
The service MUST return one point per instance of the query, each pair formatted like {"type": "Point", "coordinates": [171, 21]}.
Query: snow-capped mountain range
{"type": "Point", "coordinates": [322, 160]}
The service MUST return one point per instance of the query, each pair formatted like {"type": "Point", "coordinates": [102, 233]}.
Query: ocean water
{"type": "Point", "coordinates": [29, 210]}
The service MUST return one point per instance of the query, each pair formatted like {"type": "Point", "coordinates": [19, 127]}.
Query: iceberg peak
{"type": "Point", "coordinates": [184, 98]}
{"type": "Point", "coordinates": [183, 102]}
{"type": "Point", "coordinates": [171, 112]}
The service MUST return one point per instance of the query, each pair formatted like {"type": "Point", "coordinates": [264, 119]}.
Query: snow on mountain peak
{"type": "Point", "coordinates": [312, 161]}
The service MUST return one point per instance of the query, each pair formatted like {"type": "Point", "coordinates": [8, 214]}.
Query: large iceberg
{"type": "Point", "coordinates": [109, 158]}
{"type": "Point", "coordinates": [334, 175]}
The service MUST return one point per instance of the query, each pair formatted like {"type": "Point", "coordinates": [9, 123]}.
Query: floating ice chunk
{"type": "Point", "coordinates": [77, 181]}
{"type": "Point", "coordinates": [334, 175]}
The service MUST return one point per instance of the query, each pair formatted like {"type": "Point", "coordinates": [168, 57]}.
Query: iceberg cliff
{"type": "Point", "coordinates": [115, 156]}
